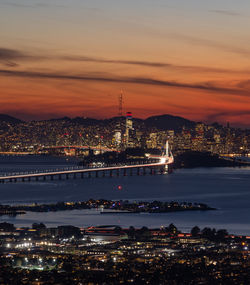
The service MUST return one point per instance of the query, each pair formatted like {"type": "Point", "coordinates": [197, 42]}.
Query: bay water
{"type": "Point", "coordinates": [227, 189]}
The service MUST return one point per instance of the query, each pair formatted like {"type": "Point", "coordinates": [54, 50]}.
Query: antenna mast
{"type": "Point", "coordinates": [120, 104]}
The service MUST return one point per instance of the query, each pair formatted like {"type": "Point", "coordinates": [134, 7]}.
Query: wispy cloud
{"type": "Point", "coordinates": [226, 12]}
{"type": "Point", "coordinates": [225, 115]}
{"type": "Point", "coordinates": [11, 57]}
{"type": "Point", "coordinates": [115, 79]}
{"type": "Point", "coordinates": [211, 44]}
{"type": "Point", "coordinates": [15, 4]}
{"type": "Point", "coordinates": [196, 40]}
{"type": "Point", "coordinates": [244, 84]}
{"type": "Point", "coordinates": [8, 56]}
{"type": "Point", "coordinates": [30, 5]}
{"type": "Point", "coordinates": [150, 64]}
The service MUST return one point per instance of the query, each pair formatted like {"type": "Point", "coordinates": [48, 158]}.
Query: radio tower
{"type": "Point", "coordinates": [120, 104]}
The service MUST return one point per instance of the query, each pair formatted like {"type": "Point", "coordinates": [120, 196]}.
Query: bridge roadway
{"type": "Point", "coordinates": [28, 176]}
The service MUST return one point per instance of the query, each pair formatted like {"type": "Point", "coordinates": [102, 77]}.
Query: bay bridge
{"type": "Point", "coordinates": [161, 164]}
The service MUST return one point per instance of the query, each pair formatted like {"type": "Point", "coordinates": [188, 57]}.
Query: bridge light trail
{"type": "Point", "coordinates": [163, 161]}
{"type": "Point", "coordinates": [39, 174]}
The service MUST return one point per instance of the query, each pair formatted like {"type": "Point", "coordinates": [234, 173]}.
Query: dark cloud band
{"type": "Point", "coordinates": [114, 79]}
{"type": "Point", "coordinates": [11, 57]}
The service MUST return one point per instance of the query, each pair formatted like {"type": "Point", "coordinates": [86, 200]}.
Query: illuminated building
{"type": "Point", "coordinates": [129, 128]}
{"type": "Point", "coordinates": [118, 137]}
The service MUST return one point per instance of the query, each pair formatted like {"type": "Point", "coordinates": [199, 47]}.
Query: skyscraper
{"type": "Point", "coordinates": [129, 128]}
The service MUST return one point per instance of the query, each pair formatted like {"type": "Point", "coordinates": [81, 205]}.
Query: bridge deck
{"type": "Point", "coordinates": [75, 171]}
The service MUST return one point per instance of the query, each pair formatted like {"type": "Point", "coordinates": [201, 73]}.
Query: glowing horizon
{"type": "Point", "coordinates": [169, 57]}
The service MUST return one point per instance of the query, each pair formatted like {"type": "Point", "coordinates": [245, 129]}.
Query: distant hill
{"type": "Point", "coordinates": [9, 119]}
{"type": "Point", "coordinates": [162, 122]}
{"type": "Point", "coordinates": [169, 122]}
{"type": "Point", "coordinates": [78, 120]}
{"type": "Point", "coordinates": [59, 119]}
{"type": "Point", "coordinates": [86, 121]}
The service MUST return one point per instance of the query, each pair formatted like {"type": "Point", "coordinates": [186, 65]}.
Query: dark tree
{"type": "Point", "coordinates": [172, 229]}
{"type": "Point", "coordinates": [221, 234]}
{"type": "Point", "coordinates": [131, 232]}
{"type": "Point", "coordinates": [195, 231]}
{"type": "Point", "coordinates": [208, 233]}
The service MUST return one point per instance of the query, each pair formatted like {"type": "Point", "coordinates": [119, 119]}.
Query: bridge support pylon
{"type": "Point", "coordinates": [138, 171]}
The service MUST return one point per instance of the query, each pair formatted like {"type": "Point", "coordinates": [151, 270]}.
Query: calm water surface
{"type": "Point", "coordinates": [227, 189]}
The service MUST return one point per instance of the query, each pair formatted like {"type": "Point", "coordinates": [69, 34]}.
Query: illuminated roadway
{"type": "Point", "coordinates": [163, 162]}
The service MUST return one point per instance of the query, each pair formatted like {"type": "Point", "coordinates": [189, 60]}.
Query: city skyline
{"type": "Point", "coordinates": [168, 57]}
{"type": "Point", "coordinates": [124, 142]}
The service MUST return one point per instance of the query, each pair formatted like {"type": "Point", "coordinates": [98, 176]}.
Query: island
{"type": "Point", "coordinates": [107, 207]}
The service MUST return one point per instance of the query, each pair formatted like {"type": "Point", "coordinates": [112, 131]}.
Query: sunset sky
{"type": "Point", "coordinates": [73, 58]}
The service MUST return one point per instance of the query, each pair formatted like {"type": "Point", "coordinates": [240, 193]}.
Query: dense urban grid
{"type": "Point", "coordinates": [119, 133]}
{"type": "Point", "coordinates": [113, 255]}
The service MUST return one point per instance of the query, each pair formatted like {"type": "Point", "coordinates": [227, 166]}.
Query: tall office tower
{"type": "Point", "coordinates": [129, 128]}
